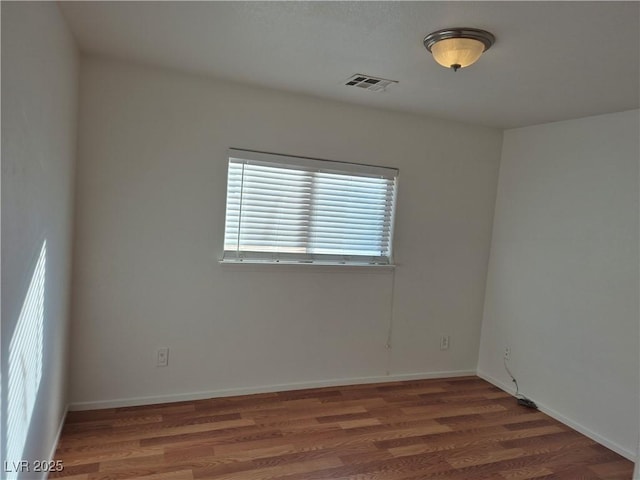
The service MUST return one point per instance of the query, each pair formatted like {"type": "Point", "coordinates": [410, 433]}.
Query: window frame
{"type": "Point", "coordinates": [252, 157]}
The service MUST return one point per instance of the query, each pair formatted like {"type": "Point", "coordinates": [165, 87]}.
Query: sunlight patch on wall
{"type": "Point", "coordinates": [25, 361]}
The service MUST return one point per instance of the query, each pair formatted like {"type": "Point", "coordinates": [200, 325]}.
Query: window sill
{"type": "Point", "coordinates": [307, 265]}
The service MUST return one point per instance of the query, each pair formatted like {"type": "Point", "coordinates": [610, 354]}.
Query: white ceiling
{"type": "Point", "coordinates": [551, 61]}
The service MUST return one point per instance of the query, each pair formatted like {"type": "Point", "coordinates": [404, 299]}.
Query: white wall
{"type": "Point", "coordinates": [636, 471]}
{"type": "Point", "coordinates": [39, 109]}
{"type": "Point", "coordinates": [150, 215]}
{"type": "Point", "coordinates": [562, 288]}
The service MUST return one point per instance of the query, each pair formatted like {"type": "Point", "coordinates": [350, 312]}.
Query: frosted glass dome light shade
{"type": "Point", "coordinates": [457, 51]}
{"type": "Point", "coordinates": [458, 47]}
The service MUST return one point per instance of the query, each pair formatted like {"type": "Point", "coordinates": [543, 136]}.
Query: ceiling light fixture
{"type": "Point", "coordinates": [458, 47]}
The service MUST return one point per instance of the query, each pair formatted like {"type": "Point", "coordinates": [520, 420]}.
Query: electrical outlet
{"type": "Point", "coordinates": [163, 357]}
{"type": "Point", "coordinates": [507, 353]}
{"type": "Point", "coordinates": [444, 342]}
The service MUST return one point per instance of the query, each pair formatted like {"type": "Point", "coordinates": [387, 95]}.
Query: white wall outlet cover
{"type": "Point", "coordinates": [162, 357]}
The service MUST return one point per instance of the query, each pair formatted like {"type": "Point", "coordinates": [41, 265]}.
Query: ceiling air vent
{"type": "Point", "coordinates": [373, 84]}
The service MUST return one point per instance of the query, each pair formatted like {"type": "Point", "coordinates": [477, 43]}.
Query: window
{"type": "Point", "coordinates": [300, 210]}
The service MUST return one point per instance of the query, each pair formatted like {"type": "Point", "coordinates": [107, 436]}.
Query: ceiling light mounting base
{"type": "Point", "coordinates": [486, 38]}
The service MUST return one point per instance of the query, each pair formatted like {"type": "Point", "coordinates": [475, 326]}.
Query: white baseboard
{"type": "Point", "coordinates": [180, 397]}
{"type": "Point", "coordinates": [52, 453]}
{"type": "Point", "coordinates": [567, 421]}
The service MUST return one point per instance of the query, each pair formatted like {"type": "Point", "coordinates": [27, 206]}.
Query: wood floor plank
{"type": "Point", "coordinates": [80, 458]}
{"type": "Point", "coordinates": [481, 456]}
{"type": "Point", "coordinates": [526, 473]}
{"type": "Point", "coordinates": [617, 469]}
{"type": "Point", "coordinates": [446, 429]}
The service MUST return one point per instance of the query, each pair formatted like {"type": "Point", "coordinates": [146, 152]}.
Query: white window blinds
{"type": "Point", "coordinates": [289, 209]}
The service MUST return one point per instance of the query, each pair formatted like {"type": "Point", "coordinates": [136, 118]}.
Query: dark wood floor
{"type": "Point", "coordinates": [457, 428]}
